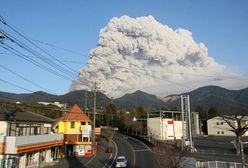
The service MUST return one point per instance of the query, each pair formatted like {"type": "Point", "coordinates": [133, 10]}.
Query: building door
{"type": "Point", "coordinates": [69, 150]}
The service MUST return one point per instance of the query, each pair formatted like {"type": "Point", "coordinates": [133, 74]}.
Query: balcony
{"type": "Point", "coordinates": [22, 144]}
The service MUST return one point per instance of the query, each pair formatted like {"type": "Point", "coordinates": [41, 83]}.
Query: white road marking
{"type": "Point", "coordinates": [111, 156]}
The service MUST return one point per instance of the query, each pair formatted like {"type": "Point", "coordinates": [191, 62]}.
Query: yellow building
{"type": "Point", "coordinates": [77, 130]}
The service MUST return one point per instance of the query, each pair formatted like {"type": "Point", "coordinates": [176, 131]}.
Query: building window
{"type": "Point", "coordinates": [46, 130]}
{"type": "Point", "coordinates": [83, 123]}
{"type": "Point", "coordinates": [222, 123]}
{"type": "Point", "coordinates": [222, 132]}
{"type": "Point", "coordinates": [72, 124]}
{"type": "Point", "coordinates": [217, 123]}
{"type": "Point", "coordinates": [218, 132]}
{"type": "Point", "coordinates": [85, 139]}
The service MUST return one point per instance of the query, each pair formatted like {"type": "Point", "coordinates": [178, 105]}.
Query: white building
{"type": "Point", "coordinates": [54, 103]}
{"type": "Point", "coordinates": [169, 127]}
{"type": "Point", "coordinates": [218, 126]}
{"type": "Point", "coordinates": [26, 139]}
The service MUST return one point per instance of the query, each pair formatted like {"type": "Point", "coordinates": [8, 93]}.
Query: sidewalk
{"type": "Point", "coordinates": [100, 159]}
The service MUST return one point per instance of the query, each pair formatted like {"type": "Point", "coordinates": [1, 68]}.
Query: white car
{"type": "Point", "coordinates": [121, 161]}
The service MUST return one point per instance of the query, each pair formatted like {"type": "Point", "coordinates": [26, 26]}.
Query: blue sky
{"type": "Point", "coordinates": [221, 25]}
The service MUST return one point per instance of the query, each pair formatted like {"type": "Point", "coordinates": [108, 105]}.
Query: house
{"type": "Point", "coordinates": [218, 126]}
{"type": "Point", "coordinates": [77, 130]}
{"type": "Point", "coordinates": [26, 139]}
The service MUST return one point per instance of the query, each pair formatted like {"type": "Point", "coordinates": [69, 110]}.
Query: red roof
{"type": "Point", "coordinates": [75, 114]}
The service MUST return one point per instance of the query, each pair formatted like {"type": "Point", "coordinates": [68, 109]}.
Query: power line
{"type": "Point", "coordinates": [32, 61]}
{"type": "Point", "coordinates": [69, 61]}
{"type": "Point", "coordinates": [20, 34]}
{"type": "Point", "coordinates": [20, 76]}
{"type": "Point", "coordinates": [61, 48]}
{"type": "Point", "coordinates": [17, 86]}
{"type": "Point", "coordinates": [39, 56]}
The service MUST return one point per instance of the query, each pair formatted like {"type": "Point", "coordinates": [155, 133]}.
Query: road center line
{"type": "Point", "coordinates": [134, 156]}
{"type": "Point", "coordinates": [116, 151]}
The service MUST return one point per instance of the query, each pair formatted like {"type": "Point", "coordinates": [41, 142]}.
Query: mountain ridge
{"type": "Point", "coordinates": [206, 97]}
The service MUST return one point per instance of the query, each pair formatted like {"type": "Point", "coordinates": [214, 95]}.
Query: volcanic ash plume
{"type": "Point", "coordinates": [143, 54]}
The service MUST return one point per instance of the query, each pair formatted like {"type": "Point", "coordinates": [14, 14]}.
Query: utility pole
{"type": "Point", "coordinates": [94, 116]}
{"type": "Point", "coordinates": [85, 102]}
{"type": "Point", "coordinates": [2, 34]}
{"type": "Point", "coordinates": [186, 122]}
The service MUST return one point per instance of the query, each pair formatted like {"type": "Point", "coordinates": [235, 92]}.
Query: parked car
{"type": "Point", "coordinates": [121, 161]}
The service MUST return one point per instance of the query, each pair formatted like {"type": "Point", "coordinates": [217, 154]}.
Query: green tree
{"type": "Point", "coordinates": [202, 113]}
{"type": "Point", "coordinates": [140, 126]}
{"type": "Point", "coordinates": [203, 119]}
{"type": "Point", "coordinates": [110, 114]}
{"type": "Point", "coordinates": [111, 109]}
{"type": "Point", "coordinates": [213, 112]}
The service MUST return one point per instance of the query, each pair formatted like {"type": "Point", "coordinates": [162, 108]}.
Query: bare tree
{"type": "Point", "coordinates": [238, 125]}
{"type": "Point", "coordinates": [168, 155]}
{"type": "Point", "coordinates": [127, 120]}
{"type": "Point", "coordinates": [108, 133]}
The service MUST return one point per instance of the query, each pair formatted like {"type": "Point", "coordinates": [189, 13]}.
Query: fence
{"type": "Point", "coordinates": [218, 164]}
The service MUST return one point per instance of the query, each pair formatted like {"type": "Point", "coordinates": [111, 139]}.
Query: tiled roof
{"type": "Point", "coordinates": [22, 115]}
{"type": "Point", "coordinates": [75, 114]}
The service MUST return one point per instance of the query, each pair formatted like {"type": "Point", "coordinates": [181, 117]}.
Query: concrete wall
{"type": "Point", "coordinates": [178, 129]}
{"type": "Point", "coordinates": [170, 128]}
{"type": "Point", "coordinates": [3, 128]}
{"type": "Point", "coordinates": [154, 127]}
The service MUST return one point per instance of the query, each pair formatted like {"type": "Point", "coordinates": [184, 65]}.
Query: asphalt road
{"type": "Point", "coordinates": [138, 154]}
{"type": "Point", "coordinates": [219, 148]}
{"type": "Point", "coordinates": [100, 160]}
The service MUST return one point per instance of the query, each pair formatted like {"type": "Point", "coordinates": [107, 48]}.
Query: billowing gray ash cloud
{"type": "Point", "coordinates": [143, 54]}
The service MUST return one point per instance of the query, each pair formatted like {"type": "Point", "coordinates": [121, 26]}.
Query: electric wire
{"type": "Point", "coordinates": [39, 56]}
{"type": "Point", "coordinates": [61, 48]}
{"type": "Point", "coordinates": [22, 77]}
{"type": "Point", "coordinates": [216, 78]}
{"type": "Point", "coordinates": [32, 61]}
{"type": "Point", "coordinates": [62, 60]}
{"type": "Point", "coordinates": [17, 86]}
{"type": "Point", "coordinates": [20, 34]}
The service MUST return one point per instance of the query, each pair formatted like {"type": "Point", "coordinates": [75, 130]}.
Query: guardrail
{"type": "Point", "coordinates": [218, 164]}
